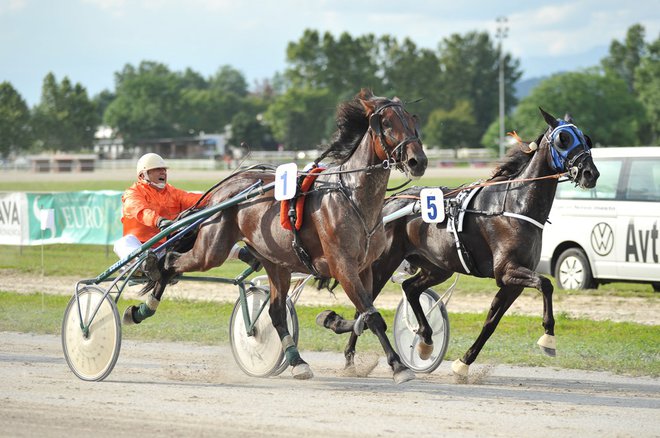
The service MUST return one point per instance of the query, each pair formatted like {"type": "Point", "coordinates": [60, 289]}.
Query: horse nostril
{"type": "Point", "coordinates": [412, 163]}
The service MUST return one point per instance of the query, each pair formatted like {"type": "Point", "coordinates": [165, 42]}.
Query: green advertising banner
{"type": "Point", "coordinates": [71, 217]}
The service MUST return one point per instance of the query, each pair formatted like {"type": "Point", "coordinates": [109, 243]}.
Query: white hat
{"type": "Point", "coordinates": [150, 161]}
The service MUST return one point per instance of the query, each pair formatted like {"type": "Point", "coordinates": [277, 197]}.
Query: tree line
{"type": "Point", "coordinates": [453, 90]}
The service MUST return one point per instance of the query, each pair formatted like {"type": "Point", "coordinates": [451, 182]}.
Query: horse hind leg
{"type": "Point", "coordinates": [280, 281]}
{"type": "Point", "coordinates": [413, 288]}
{"type": "Point", "coordinates": [137, 314]}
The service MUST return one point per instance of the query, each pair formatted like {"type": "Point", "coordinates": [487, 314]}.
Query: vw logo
{"type": "Point", "coordinates": [602, 239]}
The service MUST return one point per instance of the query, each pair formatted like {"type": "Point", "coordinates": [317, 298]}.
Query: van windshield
{"type": "Point", "coordinates": [644, 180]}
{"type": "Point", "coordinates": [610, 170]}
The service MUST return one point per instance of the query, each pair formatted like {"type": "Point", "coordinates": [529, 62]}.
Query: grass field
{"type": "Point", "coordinates": [623, 348]}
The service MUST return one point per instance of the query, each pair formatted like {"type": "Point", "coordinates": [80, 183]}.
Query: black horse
{"type": "Point", "coordinates": [493, 232]}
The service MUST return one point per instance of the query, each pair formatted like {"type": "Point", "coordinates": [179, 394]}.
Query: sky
{"type": "Point", "coordinates": [89, 40]}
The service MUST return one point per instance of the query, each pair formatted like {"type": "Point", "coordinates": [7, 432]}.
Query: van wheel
{"type": "Point", "coordinates": [572, 270]}
{"type": "Point", "coordinates": [656, 287]}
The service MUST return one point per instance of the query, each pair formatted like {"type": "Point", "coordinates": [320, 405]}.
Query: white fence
{"type": "Point", "coordinates": [437, 157]}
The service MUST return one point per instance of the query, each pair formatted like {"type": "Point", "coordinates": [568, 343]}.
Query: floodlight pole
{"type": "Point", "coordinates": [502, 30]}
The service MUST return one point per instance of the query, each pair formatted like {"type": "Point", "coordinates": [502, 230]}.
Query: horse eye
{"type": "Point", "coordinates": [387, 124]}
{"type": "Point", "coordinates": [561, 140]}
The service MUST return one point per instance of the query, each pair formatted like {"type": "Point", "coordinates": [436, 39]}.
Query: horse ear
{"type": "Point", "coordinates": [549, 119]}
{"type": "Point", "coordinates": [589, 143]}
{"type": "Point", "coordinates": [568, 118]}
{"type": "Point", "coordinates": [366, 99]}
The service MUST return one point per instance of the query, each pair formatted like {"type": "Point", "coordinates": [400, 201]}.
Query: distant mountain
{"type": "Point", "coordinates": [524, 87]}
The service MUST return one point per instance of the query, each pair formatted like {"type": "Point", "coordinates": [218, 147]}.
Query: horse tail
{"type": "Point", "coordinates": [151, 285]}
{"type": "Point", "coordinates": [326, 283]}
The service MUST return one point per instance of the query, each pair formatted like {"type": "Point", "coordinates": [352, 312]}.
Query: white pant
{"type": "Point", "coordinates": [129, 243]}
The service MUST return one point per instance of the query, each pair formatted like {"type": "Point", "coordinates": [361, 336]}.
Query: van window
{"type": "Point", "coordinates": [610, 171]}
{"type": "Point", "coordinates": [644, 180]}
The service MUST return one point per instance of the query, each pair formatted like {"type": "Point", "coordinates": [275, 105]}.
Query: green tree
{"type": "Point", "coordinates": [411, 74]}
{"type": "Point", "coordinates": [249, 126]}
{"type": "Point", "coordinates": [14, 121]}
{"type": "Point", "coordinates": [147, 103]}
{"type": "Point", "coordinates": [647, 80]}
{"type": "Point", "coordinates": [625, 57]}
{"type": "Point", "coordinates": [452, 129]}
{"type": "Point", "coordinates": [343, 65]}
{"type": "Point", "coordinates": [470, 71]}
{"type": "Point", "coordinates": [65, 119]}
{"type": "Point", "coordinates": [101, 102]}
{"type": "Point", "coordinates": [228, 80]}
{"type": "Point", "coordinates": [301, 118]}
{"type": "Point", "coordinates": [600, 104]}
{"type": "Point", "coordinates": [491, 138]}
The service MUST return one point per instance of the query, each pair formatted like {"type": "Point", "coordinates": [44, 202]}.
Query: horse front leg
{"type": "Point", "coordinates": [280, 281]}
{"type": "Point", "coordinates": [498, 307]}
{"type": "Point", "coordinates": [353, 285]}
{"type": "Point", "coordinates": [528, 278]}
{"type": "Point", "coordinates": [547, 342]}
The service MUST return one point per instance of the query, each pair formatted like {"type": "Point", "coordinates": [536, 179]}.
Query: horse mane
{"type": "Point", "coordinates": [352, 123]}
{"type": "Point", "coordinates": [515, 161]}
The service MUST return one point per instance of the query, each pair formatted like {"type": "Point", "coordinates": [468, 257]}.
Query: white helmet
{"type": "Point", "coordinates": [150, 161]}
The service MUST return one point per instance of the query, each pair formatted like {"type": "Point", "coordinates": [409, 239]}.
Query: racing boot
{"type": "Point", "coordinates": [137, 314]}
{"type": "Point", "coordinates": [246, 256]}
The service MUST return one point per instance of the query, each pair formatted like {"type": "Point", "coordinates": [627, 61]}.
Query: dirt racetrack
{"type": "Point", "coordinates": [191, 390]}
{"type": "Point", "coordinates": [175, 389]}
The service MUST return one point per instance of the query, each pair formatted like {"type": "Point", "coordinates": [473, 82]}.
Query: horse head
{"type": "Point", "coordinates": [395, 133]}
{"type": "Point", "coordinates": [570, 150]}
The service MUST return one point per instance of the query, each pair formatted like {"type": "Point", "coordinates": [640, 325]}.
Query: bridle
{"type": "Point", "coordinates": [375, 126]}
{"type": "Point", "coordinates": [559, 153]}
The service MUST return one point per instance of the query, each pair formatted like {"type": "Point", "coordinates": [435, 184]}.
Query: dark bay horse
{"type": "Point", "coordinates": [342, 227]}
{"type": "Point", "coordinates": [501, 234]}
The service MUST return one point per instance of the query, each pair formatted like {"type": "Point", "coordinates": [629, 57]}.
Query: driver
{"type": "Point", "coordinates": [150, 205]}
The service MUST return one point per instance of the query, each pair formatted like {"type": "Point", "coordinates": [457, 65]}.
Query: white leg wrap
{"type": "Point", "coordinates": [233, 253]}
{"type": "Point", "coordinates": [547, 341]}
{"type": "Point", "coordinates": [287, 342]}
{"type": "Point", "coordinates": [152, 303]}
{"type": "Point", "coordinates": [458, 367]}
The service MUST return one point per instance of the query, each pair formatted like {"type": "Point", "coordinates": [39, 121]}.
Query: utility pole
{"type": "Point", "coordinates": [502, 30]}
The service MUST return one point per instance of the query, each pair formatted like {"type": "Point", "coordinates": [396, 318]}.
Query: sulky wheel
{"type": "Point", "coordinates": [405, 332]}
{"type": "Point", "coordinates": [91, 350]}
{"type": "Point", "coordinates": [259, 354]}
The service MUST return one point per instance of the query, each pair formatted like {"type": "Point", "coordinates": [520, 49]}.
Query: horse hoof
{"type": "Point", "coordinates": [403, 376]}
{"type": "Point", "coordinates": [128, 316]}
{"type": "Point", "coordinates": [459, 368]}
{"type": "Point", "coordinates": [424, 350]}
{"type": "Point", "coordinates": [548, 351]}
{"type": "Point", "coordinates": [548, 345]}
{"type": "Point", "coordinates": [324, 316]}
{"type": "Point", "coordinates": [302, 372]}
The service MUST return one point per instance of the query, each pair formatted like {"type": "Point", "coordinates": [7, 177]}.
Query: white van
{"type": "Point", "coordinates": [609, 233]}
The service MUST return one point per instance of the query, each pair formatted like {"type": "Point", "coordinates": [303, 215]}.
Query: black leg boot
{"type": "Point", "coordinates": [247, 257]}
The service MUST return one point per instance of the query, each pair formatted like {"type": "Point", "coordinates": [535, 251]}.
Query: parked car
{"type": "Point", "coordinates": [609, 233]}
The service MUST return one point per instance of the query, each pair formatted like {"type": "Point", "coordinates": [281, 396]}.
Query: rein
{"type": "Point", "coordinates": [486, 184]}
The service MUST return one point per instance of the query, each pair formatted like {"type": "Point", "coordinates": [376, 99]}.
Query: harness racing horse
{"type": "Point", "coordinates": [501, 235]}
{"type": "Point", "coordinates": [342, 230]}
